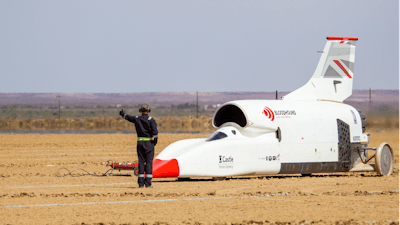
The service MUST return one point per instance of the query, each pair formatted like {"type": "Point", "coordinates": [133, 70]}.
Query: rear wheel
{"type": "Point", "coordinates": [384, 160]}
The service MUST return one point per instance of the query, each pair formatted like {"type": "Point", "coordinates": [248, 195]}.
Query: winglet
{"type": "Point", "coordinates": [343, 38]}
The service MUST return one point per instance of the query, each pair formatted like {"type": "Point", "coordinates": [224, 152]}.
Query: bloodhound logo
{"type": "Point", "coordinates": [269, 113]}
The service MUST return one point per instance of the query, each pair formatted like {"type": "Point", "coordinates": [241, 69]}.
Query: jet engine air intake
{"type": "Point", "coordinates": [229, 113]}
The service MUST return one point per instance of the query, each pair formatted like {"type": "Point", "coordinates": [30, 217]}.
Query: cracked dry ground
{"type": "Point", "coordinates": [28, 164]}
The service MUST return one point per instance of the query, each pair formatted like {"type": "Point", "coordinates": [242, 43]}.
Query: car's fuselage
{"type": "Point", "coordinates": [277, 136]}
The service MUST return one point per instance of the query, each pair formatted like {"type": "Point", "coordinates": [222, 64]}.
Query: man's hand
{"type": "Point", "coordinates": [155, 141]}
{"type": "Point", "coordinates": [122, 113]}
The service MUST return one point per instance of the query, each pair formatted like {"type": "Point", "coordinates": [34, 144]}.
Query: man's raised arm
{"type": "Point", "coordinates": [127, 117]}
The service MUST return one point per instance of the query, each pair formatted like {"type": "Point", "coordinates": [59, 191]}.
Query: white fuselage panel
{"type": "Point", "coordinates": [308, 134]}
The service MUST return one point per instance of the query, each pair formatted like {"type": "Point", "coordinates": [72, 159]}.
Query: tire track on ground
{"type": "Point", "coordinates": [184, 194]}
{"type": "Point", "coordinates": [67, 185]}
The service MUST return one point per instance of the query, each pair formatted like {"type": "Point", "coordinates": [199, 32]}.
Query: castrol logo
{"type": "Point", "coordinates": [269, 113]}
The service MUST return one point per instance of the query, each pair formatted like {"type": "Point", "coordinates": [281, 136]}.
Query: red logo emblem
{"type": "Point", "coordinates": [269, 113]}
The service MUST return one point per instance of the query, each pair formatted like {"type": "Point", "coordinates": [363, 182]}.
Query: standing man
{"type": "Point", "coordinates": [146, 129]}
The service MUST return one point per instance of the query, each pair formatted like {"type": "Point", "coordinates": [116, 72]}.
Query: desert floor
{"type": "Point", "coordinates": [30, 193]}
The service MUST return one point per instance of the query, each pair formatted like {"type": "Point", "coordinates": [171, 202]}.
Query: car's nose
{"type": "Point", "coordinates": [165, 168]}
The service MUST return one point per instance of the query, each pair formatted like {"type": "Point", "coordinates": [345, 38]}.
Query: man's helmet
{"type": "Point", "coordinates": [144, 108]}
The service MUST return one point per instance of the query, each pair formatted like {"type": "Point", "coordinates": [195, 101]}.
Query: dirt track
{"type": "Point", "coordinates": [30, 193]}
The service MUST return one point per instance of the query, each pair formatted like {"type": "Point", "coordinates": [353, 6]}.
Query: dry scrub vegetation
{"type": "Point", "coordinates": [185, 124]}
{"type": "Point", "coordinates": [382, 123]}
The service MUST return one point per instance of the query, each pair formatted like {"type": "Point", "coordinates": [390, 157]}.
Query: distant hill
{"type": "Point", "coordinates": [385, 103]}
{"type": "Point", "coordinates": [168, 98]}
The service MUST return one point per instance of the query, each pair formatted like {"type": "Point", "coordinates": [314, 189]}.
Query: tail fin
{"type": "Point", "coordinates": [333, 78]}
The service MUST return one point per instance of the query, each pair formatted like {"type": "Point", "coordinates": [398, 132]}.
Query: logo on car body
{"type": "Point", "coordinates": [272, 157]}
{"type": "Point", "coordinates": [278, 113]}
{"type": "Point", "coordinates": [225, 162]}
{"type": "Point", "coordinates": [269, 113]}
{"type": "Point", "coordinates": [354, 117]}
{"type": "Point", "coordinates": [224, 159]}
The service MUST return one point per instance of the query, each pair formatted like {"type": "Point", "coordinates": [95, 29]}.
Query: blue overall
{"type": "Point", "coordinates": [146, 128]}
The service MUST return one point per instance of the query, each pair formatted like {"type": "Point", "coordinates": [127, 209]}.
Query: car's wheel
{"type": "Point", "coordinates": [384, 160]}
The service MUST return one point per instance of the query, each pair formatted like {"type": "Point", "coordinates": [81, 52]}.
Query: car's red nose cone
{"type": "Point", "coordinates": [165, 168]}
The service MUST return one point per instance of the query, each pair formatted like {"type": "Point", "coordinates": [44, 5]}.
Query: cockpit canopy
{"type": "Point", "coordinates": [216, 136]}
{"type": "Point", "coordinates": [229, 113]}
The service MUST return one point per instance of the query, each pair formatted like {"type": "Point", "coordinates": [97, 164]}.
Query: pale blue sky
{"type": "Point", "coordinates": [208, 46]}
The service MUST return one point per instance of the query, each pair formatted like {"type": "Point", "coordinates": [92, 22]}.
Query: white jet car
{"type": "Point", "coordinates": [308, 131]}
